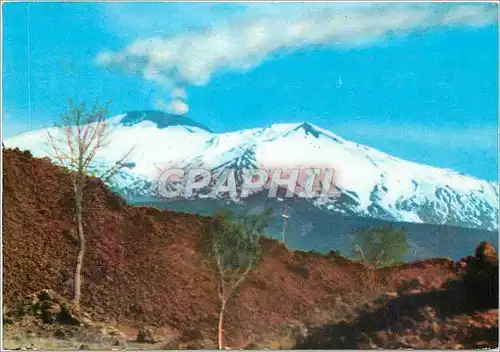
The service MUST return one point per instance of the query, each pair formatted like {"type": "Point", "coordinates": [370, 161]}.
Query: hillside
{"type": "Point", "coordinates": [142, 268]}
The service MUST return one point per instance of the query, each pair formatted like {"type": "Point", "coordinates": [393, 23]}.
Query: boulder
{"type": "Point", "coordinates": [486, 253]}
{"type": "Point", "coordinates": [48, 307]}
{"type": "Point", "coordinates": [481, 276]}
{"type": "Point", "coordinates": [145, 336]}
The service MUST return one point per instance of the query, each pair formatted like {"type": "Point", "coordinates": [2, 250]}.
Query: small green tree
{"type": "Point", "coordinates": [381, 246]}
{"type": "Point", "coordinates": [234, 248]}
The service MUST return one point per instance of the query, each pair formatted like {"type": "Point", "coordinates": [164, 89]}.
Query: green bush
{"type": "Point", "coordinates": [235, 238]}
{"type": "Point", "coordinates": [381, 246]}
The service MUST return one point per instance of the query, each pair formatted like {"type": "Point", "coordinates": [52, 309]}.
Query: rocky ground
{"type": "Point", "coordinates": [45, 320]}
{"type": "Point", "coordinates": [461, 313]}
{"type": "Point", "coordinates": [144, 276]}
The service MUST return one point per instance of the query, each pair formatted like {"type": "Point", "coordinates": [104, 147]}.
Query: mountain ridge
{"type": "Point", "coordinates": [162, 119]}
{"type": "Point", "coordinates": [376, 183]}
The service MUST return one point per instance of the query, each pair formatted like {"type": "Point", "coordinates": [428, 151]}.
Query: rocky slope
{"type": "Point", "coordinates": [143, 269]}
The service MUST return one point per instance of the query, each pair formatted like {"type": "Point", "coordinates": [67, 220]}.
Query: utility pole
{"type": "Point", "coordinates": [285, 216]}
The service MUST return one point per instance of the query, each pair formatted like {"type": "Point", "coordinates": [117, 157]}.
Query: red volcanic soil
{"type": "Point", "coordinates": [142, 267]}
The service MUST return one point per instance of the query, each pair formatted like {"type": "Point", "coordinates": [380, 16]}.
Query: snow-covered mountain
{"type": "Point", "coordinates": [372, 183]}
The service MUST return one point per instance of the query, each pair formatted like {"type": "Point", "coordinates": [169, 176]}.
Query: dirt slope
{"type": "Point", "coordinates": [142, 266]}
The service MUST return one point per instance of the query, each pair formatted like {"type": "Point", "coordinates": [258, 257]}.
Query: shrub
{"type": "Point", "coordinates": [381, 246]}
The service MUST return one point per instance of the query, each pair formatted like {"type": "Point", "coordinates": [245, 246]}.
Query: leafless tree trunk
{"type": "Point", "coordinates": [227, 287]}
{"type": "Point", "coordinates": [78, 193]}
{"type": "Point", "coordinates": [362, 255]}
{"type": "Point", "coordinates": [84, 133]}
{"type": "Point", "coordinates": [221, 324]}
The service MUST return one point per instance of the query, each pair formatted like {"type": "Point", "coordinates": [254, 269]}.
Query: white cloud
{"type": "Point", "coordinates": [193, 57]}
{"type": "Point", "coordinates": [178, 93]}
{"type": "Point", "coordinates": [175, 106]}
{"type": "Point", "coordinates": [471, 15]}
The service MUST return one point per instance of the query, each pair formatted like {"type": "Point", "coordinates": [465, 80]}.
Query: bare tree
{"type": "Point", "coordinates": [234, 249]}
{"type": "Point", "coordinates": [75, 144]}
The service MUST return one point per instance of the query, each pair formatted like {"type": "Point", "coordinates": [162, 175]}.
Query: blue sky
{"type": "Point", "coordinates": [419, 81]}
